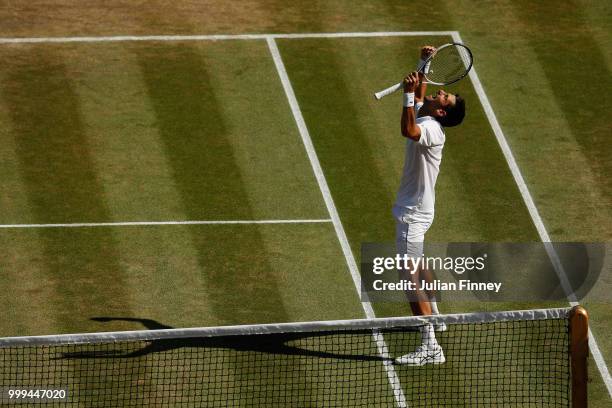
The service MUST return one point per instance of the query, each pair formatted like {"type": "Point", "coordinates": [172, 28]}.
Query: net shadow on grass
{"type": "Point", "coordinates": [261, 343]}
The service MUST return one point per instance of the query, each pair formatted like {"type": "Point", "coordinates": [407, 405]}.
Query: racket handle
{"type": "Point", "coordinates": [388, 91]}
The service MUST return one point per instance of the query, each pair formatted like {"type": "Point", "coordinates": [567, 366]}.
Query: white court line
{"type": "Point", "coordinates": [383, 350]}
{"type": "Point", "coordinates": [146, 223]}
{"type": "Point", "coordinates": [535, 215]}
{"type": "Point", "coordinates": [219, 37]}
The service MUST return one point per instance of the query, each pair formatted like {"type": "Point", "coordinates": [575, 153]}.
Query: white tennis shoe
{"type": "Point", "coordinates": [424, 354]}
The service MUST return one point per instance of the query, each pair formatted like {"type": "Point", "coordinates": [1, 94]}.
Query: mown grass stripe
{"type": "Point", "coordinates": [61, 181]}
{"type": "Point", "coordinates": [558, 56]}
{"type": "Point", "coordinates": [194, 135]}
{"type": "Point", "coordinates": [199, 151]}
{"type": "Point", "coordinates": [53, 153]}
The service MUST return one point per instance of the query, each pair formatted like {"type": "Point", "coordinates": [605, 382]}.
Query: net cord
{"type": "Point", "coordinates": [330, 325]}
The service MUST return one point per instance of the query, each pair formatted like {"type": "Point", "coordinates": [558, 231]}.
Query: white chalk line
{"type": "Point", "coordinates": [153, 223]}
{"type": "Point", "coordinates": [217, 37]}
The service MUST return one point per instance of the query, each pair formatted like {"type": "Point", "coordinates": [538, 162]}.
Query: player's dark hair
{"type": "Point", "coordinates": [454, 114]}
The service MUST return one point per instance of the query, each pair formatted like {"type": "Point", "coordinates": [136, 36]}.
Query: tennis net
{"type": "Point", "coordinates": [518, 358]}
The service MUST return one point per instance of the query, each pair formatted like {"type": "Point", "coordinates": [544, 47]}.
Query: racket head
{"type": "Point", "coordinates": [449, 64]}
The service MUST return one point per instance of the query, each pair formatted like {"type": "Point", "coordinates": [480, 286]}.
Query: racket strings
{"type": "Point", "coordinates": [450, 64]}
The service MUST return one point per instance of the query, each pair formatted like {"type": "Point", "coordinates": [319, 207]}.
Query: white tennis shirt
{"type": "Point", "coordinates": [421, 166]}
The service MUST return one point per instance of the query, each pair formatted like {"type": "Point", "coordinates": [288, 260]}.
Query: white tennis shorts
{"type": "Point", "coordinates": [410, 228]}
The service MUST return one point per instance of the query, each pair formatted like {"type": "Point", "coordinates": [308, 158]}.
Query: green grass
{"type": "Point", "coordinates": [199, 130]}
{"type": "Point", "coordinates": [152, 139]}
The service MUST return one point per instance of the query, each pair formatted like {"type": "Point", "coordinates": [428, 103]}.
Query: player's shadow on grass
{"type": "Point", "coordinates": [262, 343]}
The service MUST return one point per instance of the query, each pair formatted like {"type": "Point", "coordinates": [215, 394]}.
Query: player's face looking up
{"type": "Point", "coordinates": [437, 103]}
{"type": "Point", "coordinates": [440, 99]}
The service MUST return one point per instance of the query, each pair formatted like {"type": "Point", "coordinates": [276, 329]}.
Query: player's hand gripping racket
{"type": "Point", "coordinates": [447, 65]}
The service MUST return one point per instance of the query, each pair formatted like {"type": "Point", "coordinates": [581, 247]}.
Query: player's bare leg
{"type": "Point", "coordinates": [418, 298]}
{"type": "Point", "coordinates": [429, 277]}
{"type": "Point", "coordinates": [429, 352]}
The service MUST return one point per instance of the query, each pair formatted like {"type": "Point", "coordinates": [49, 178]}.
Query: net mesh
{"type": "Point", "coordinates": [449, 64]}
{"type": "Point", "coordinates": [501, 363]}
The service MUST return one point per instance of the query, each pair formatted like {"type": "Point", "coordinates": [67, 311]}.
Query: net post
{"type": "Point", "coordinates": [579, 351]}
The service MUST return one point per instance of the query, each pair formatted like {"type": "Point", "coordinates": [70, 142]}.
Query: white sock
{"type": "Point", "coordinates": [428, 336]}
{"type": "Point", "coordinates": [434, 307]}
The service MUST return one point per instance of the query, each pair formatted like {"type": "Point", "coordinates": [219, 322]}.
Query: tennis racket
{"type": "Point", "coordinates": [447, 65]}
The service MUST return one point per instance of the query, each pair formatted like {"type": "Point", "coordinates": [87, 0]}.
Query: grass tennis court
{"type": "Point", "coordinates": [201, 130]}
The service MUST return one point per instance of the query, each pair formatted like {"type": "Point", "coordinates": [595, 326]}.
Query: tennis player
{"type": "Point", "coordinates": [423, 121]}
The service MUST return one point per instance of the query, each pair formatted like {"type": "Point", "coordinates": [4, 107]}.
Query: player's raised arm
{"type": "Point", "coordinates": [409, 126]}
{"type": "Point", "coordinates": [426, 52]}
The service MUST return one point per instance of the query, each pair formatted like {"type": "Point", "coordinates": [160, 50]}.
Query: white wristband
{"type": "Point", "coordinates": [408, 99]}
